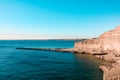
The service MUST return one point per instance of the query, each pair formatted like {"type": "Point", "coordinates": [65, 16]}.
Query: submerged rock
{"type": "Point", "coordinates": [50, 49]}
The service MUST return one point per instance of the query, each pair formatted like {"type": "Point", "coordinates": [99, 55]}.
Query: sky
{"type": "Point", "coordinates": [57, 19]}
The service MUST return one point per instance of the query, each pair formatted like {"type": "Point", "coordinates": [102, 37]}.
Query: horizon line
{"type": "Point", "coordinates": [49, 39]}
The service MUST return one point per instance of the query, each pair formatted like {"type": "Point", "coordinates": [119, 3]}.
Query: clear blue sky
{"type": "Point", "coordinates": [38, 19]}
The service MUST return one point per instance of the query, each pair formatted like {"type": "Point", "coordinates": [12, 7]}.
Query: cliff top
{"type": "Point", "coordinates": [117, 28]}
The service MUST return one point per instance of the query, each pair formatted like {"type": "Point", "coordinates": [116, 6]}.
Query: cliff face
{"type": "Point", "coordinates": [106, 47]}
{"type": "Point", "coordinates": [108, 42]}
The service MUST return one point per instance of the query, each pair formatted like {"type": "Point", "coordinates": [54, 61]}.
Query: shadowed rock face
{"type": "Point", "coordinates": [108, 42]}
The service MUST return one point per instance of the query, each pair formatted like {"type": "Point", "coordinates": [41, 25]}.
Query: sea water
{"type": "Point", "coordinates": [46, 65]}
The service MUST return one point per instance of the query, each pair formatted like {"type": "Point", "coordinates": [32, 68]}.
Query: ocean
{"type": "Point", "coordinates": [45, 65]}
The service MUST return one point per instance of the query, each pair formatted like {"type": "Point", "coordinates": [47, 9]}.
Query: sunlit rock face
{"type": "Point", "coordinates": [108, 42]}
{"type": "Point", "coordinates": [111, 40]}
{"type": "Point", "coordinates": [111, 72]}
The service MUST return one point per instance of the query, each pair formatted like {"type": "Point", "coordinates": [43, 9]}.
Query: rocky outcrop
{"type": "Point", "coordinates": [111, 72]}
{"type": "Point", "coordinates": [50, 49]}
{"type": "Point", "coordinates": [109, 43]}
{"type": "Point", "coordinates": [106, 47]}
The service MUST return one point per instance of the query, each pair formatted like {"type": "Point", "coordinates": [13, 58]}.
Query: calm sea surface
{"type": "Point", "coordinates": [46, 65]}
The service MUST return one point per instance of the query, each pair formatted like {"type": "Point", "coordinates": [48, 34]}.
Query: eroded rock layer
{"type": "Point", "coordinates": [111, 72]}
{"type": "Point", "coordinates": [108, 42]}
{"type": "Point", "coordinates": [106, 47]}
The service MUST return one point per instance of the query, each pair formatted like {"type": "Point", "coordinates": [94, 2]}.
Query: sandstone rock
{"type": "Point", "coordinates": [111, 72]}
{"type": "Point", "coordinates": [108, 42]}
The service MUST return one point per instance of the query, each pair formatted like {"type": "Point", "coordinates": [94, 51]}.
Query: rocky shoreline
{"type": "Point", "coordinates": [50, 49]}
{"type": "Point", "coordinates": [108, 45]}
{"type": "Point", "coordinates": [109, 71]}
{"type": "Point", "coordinates": [105, 47]}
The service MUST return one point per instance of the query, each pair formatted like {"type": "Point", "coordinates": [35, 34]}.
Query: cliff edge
{"type": "Point", "coordinates": [106, 47]}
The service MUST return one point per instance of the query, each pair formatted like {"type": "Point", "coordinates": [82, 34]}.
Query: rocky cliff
{"type": "Point", "coordinates": [108, 42]}
{"type": "Point", "coordinates": [106, 47]}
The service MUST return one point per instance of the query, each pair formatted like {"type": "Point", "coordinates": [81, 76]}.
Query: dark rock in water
{"type": "Point", "coordinates": [50, 49]}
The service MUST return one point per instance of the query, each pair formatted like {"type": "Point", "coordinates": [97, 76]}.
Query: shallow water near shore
{"type": "Point", "coordinates": [46, 65]}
